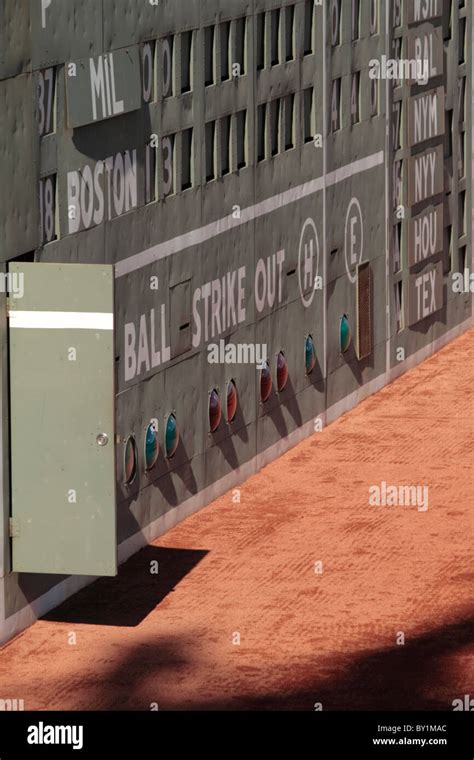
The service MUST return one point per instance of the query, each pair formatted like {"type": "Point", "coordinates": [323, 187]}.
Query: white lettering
{"type": "Point", "coordinates": [97, 86]}
{"type": "Point", "coordinates": [44, 5]}
{"type": "Point", "coordinates": [112, 182]}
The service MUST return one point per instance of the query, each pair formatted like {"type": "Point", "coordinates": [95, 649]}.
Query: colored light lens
{"type": "Point", "coordinates": [215, 411]}
{"type": "Point", "coordinates": [130, 460]}
{"type": "Point", "coordinates": [152, 447]}
{"type": "Point", "coordinates": [345, 336]}
{"type": "Point", "coordinates": [171, 436]}
{"type": "Point", "coordinates": [310, 355]}
{"type": "Point", "coordinates": [282, 371]}
{"type": "Point", "coordinates": [232, 401]}
{"type": "Point", "coordinates": [265, 382]}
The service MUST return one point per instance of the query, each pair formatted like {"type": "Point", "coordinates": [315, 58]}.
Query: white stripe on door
{"type": "Point", "coordinates": [61, 320]}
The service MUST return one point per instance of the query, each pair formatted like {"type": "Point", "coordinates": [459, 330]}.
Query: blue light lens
{"type": "Point", "coordinates": [152, 447]}
{"type": "Point", "coordinates": [310, 355]}
{"type": "Point", "coordinates": [171, 436]}
{"type": "Point", "coordinates": [345, 336]}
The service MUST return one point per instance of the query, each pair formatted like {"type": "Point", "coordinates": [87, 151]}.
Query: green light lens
{"type": "Point", "coordinates": [152, 447]}
{"type": "Point", "coordinates": [171, 436]}
{"type": "Point", "coordinates": [345, 336]}
{"type": "Point", "coordinates": [310, 354]}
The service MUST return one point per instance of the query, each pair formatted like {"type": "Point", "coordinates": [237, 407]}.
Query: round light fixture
{"type": "Point", "coordinates": [232, 401]}
{"type": "Point", "coordinates": [151, 446]}
{"type": "Point", "coordinates": [310, 354]}
{"type": "Point", "coordinates": [266, 383]}
{"type": "Point", "coordinates": [129, 460]}
{"type": "Point", "coordinates": [215, 411]}
{"type": "Point", "coordinates": [171, 436]}
{"type": "Point", "coordinates": [282, 371]}
{"type": "Point", "coordinates": [345, 335]}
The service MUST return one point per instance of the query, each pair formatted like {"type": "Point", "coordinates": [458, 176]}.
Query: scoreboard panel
{"type": "Point", "coordinates": [431, 177]}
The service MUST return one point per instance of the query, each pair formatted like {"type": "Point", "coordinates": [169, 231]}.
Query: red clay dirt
{"type": "Point", "coordinates": [332, 638]}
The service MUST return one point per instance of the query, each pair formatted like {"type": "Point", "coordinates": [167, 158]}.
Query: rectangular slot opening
{"type": "Point", "coordinates": [186, 56]}
{"type": "Point", "coordinates": [225, 42]}
{"type": "Point", "coordinates": [275, 37]}
{"type": "Point", "coordinates": [209, 56]}
{"type": "Point", "coordinates": [225, 144]}
{"type": "Point", "coordinates": [241, 139]}
{"type": "Point", "coordinates": [261, 131]}
{"type": "Point", "coordinates": [187, 159]}
{"type": "Point", "coordinates": [210, 151]}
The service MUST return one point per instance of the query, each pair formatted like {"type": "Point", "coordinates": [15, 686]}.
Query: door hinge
{"type": "Point", "coordinates": [13, 527]}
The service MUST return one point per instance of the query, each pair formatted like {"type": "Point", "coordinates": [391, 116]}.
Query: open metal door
{"type": "Point", "coordinates": [62, 419]}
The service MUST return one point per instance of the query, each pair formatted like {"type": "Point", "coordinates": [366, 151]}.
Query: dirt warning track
{"type": "Point", "coordinates": [303, 593]}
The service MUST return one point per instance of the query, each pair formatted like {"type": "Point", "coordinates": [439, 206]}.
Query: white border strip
{"type": "Point", "coordinates": [324, 48]}
{"type": "Point", "coordinates": [21, 619]}
{"type": "Point", "coordinates": [61, 320]}
{"type": "Point", "coordinates": [469, 80]}
{"type": "Point", "coordinates": [227, 223]}
{"type": "Point", "coordinates": [388, 215]}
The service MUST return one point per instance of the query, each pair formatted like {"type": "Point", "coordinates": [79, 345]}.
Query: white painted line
{"type": "Point", "coordinates": [61, 320]}
{"type": "Point", "coordinates": [469, 84]}
{"type": "Point", "coordinates": [200, 235]}
{"type": "Point", "coordinates": [356, 167]}
{"type": "Point", "coordinates": [388, 217]}
{"type": "Point", "coordinates": [325, 232]}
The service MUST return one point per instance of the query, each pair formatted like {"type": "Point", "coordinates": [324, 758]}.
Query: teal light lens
{"type": "Point", "coordinates": [171, 436]}
{"type": "Point", "coordinates": [232, 401]}
{"type": "Point", "coordinates": [152, 447]}
{"type": "Point", "coordinates": [310, 355]}
{"type": "Point", "coordinates": [215, 411]}
{"type": "Point", "coordinates": [129, 460]}
{"type": "Point", "coordinates": [345, 335]}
